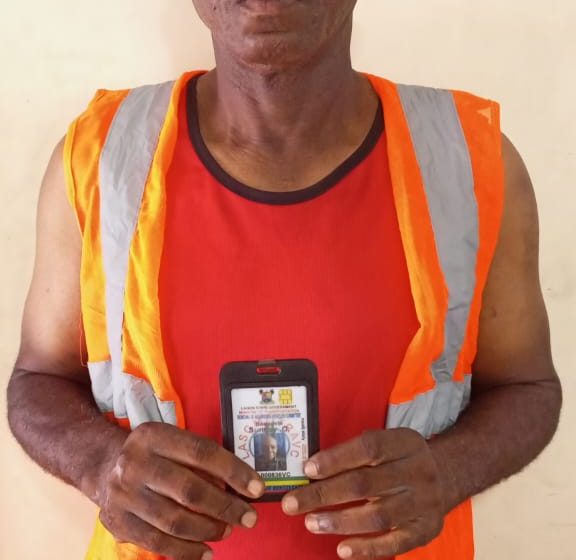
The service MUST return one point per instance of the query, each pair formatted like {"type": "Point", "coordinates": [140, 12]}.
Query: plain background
{"type": "Point", "coordinates": [54, 55]}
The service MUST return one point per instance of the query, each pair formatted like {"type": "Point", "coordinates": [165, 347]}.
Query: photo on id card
{"type": "Point", "coordinates": [270, 419]}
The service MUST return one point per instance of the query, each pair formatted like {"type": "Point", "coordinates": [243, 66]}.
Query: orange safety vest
{"type": "Point", "coordinates": [448, 185]}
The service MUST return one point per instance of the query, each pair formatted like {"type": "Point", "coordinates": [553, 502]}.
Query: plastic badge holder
{"type": "Point", "coordinates": [270, 419]}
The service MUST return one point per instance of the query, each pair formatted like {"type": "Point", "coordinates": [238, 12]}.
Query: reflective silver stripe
{"type": "Point", "coordinates": [136, 396]}
{"type": "Point", "coordinates": [125, 163]}
{"type": "Point", "coordinates": [102, 387]}
{"type": "Point", "coordinates": [432, 412]}
{"type": "Point", "coordinates": [444, 161]}
{"type": "Point", "coordinates": [446, 169]}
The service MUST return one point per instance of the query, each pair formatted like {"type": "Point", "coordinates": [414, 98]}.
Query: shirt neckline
{"type": "Point", "coordinates": [275, 197]}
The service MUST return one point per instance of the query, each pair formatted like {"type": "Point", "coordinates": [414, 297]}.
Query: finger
{"type": "Point", "coordinates": [373, 447]}
{"type": "Point", "coordinates": [173, 519]}
{"type": "Point", "coordinates": [204, 454]}
{"type": "Point", "coordinates": [193, 492]}
{"type": "Point", "coordinates": [374, 517]}
{"type": "Point", "coordinates": [394, 543]}
{"type": "Point", "coordinates": [352, 486]}
{"type": "Point", "coordinates": [136, 531]}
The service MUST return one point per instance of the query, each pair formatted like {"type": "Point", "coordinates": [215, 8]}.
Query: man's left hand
{"type": "Point", "coordinates": [394, 474]}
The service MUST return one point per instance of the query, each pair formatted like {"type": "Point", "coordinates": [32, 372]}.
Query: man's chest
{"type": "Point", "coordinates": [325, 280]}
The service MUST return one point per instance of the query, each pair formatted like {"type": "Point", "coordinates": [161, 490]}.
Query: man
{"type": "Point", "coordinates": [267, 457]}
{"type": "Point", "coordinates": [285, 205]}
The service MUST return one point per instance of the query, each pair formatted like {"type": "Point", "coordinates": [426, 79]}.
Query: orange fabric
{"type": "Point", "coordinates": [481, 123]}
{"type": "Point", "coordinates": [456, 542]}
{"type": "Point", "coordinates": [431, 301]}
{"type": "Point", "coordinates": [124, 423]}
{"type": "Point", "coordinates": [105, 547]}
{"type": "Point", "coordinates": [428, 288]}
{"type": "Point", "coordinates": [84, 141]}
{"type": "Point", "coordinates": [143, 352]}
{"type": "Point", "coordinates": [142, 337]}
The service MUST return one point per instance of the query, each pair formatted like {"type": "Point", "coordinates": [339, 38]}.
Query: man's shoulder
{"type": "Point", "coordinates": [106, 99]}
{"type": "Point", "coordinates": [426, 90]}
{"type": "Point", "coordinates": [106, 93]}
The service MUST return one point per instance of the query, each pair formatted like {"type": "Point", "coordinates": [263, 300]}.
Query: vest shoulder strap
{"type": "Point", "coordinates": [447, 178]}
{"type": "Point", "coordinates": [101, 128]}
{"type": "Point", "coordinates": [84, 141]}
{"type": "Point", "coordinates": [109, 152]}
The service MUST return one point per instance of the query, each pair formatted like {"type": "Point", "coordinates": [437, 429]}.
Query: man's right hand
{"type": "Point", "coordinates": [163, 491]}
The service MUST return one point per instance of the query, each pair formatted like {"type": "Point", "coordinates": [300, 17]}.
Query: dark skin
{"type": "Point", "coordinates": [282, 91]}
{"type": "Point", "coordinates": [282, 109]}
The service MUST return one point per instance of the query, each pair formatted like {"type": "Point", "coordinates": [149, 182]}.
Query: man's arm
{"type": "Point", "coordinates": [158, 487]}
{"type": "Point", "coordinates": [516, 394]}
{"type": "Point", "coordinates": [51, 410]}
{"type": "Point", "coordinates": [411, 484]}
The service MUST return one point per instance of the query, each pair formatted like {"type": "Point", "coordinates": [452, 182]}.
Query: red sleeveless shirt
{"type": "Point", "coordinates": [318, 273]}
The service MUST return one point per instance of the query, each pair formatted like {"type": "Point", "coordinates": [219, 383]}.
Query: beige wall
{"type": "Point", "coordinates": [53, 56]}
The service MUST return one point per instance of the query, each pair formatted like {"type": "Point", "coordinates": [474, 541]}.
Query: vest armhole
{"type": "Point", "coordinates": [81, 158]}
{"type": "Point", "coordinates": [83, 141]}
{"type": "Point", "coordinates": [481, 124]}
{"type": "Point", "coordinates": [69, 180]}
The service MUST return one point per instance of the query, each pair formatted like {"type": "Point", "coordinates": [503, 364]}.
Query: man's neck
{"type": "Point", "coordinates": [264, 107]}
{"type": "Point", "coordinates": [273, 124]}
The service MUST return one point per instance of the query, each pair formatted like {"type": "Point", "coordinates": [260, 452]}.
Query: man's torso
{"type": "Point", "coordinates": [248, 275]}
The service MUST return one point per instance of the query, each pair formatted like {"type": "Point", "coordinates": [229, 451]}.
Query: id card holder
{"type": "Point", "coordinates": [270, 419]}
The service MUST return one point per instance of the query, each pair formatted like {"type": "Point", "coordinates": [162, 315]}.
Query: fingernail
{"type": "Point", "coordinates": [344, 551]}
{"type": "Point", "coordinates": [290, 504]}
{"type": "Point", "coordinates": [227, 532]}
{"type": "Point", "coordinates": [311, 469]}
{"type": "Point", "coordinates": [312, 524]}
{"type": "Point", "coordinates": [256, 487]}
{"type": "Point", "coordinates": [249, 519]}
{"type": "Point", "coordinates": [208, 555]}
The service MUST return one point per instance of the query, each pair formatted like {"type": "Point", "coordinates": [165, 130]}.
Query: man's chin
{"type": "Point", "coordinates": [273, 52]}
